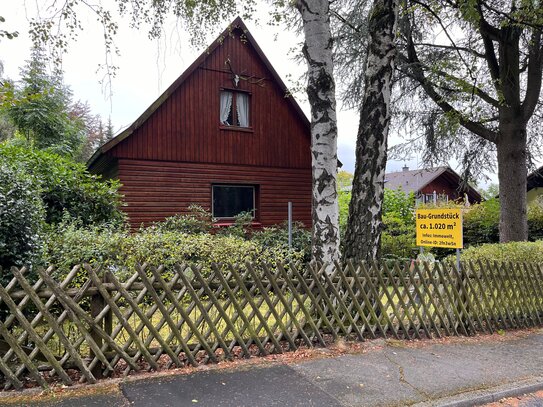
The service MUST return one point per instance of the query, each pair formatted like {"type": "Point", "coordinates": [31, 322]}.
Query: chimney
{"type": "Point", "coordinates": [405, 168]}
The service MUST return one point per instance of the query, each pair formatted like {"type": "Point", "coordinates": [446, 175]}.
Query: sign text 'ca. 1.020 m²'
{"type": "Point", "coordinates": [439, 228]}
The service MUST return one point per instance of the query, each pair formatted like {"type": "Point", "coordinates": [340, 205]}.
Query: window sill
{"type": "Point", "coordinates": [237, 128]}
{"type": "Point", "coordinates": [227, 222]}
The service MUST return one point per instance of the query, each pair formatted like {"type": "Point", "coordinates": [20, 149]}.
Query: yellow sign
{"type": "Point", "coordinates": [439, 228]}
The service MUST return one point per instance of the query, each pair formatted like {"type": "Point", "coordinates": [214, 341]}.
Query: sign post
{"type": "Point", "coordinates": [440, 227]}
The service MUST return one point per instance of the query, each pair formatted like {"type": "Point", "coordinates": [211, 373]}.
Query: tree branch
{"type": "Point", "coordinates": [417, 73]}
{"type": "Point", "coordinates": [345, 21]}
{"type": "Point", "coordinates": [490, 34]}
{"type": "Point", "coordinates": [452, 47]}
{"type": "Point", "coordinates": [449, 37]}
{"type": "Point", "coordinates": [474, 90]}
{"type": "Point", "coordinates": [535, 71]}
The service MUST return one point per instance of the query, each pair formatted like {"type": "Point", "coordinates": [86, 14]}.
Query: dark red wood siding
{"type": "Point", "coordinates": [170, 157]}
{"type": "Point", "coordinates": [185, 127]}
{"type": "Point", "coordinates": [442, 185]}
{"type": "Point", "coordinates": [154, 190]}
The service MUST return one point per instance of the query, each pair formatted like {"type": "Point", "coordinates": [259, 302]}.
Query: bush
{"type": "Point", "coordinates": [481, 223]}
{"type": "Point", "coordinates": [535, 221]}
{"type": "Point", "coordinates": [118, 250]}
{"type": "Point", "coordinates": [344, 199]}
{"type": "Point", "coordinates": [21, 219]}
{"type": "Point", "coordinates": [67, 186]}
{"type": "Point", "coordinates": [197, 221]}
{"type": "Point", "coordinates": [515, 252]}
{"type": "Point", "coordinates": [399, 204]}
{"type": "Point", "coordinates": [276, 238]}
{"type": "Point", "coordinates": [398, 238]}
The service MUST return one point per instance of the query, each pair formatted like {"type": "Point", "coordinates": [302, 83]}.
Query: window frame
{"type": "Point", "coordinates": [240, 185]}
{"type": "Point", "coordinates": [234, 91]}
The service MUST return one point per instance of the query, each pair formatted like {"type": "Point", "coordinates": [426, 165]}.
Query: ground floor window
{"type": "Point", "coordinates": [231, 200]}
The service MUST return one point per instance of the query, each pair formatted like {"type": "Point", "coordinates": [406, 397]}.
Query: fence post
{"type": "Point", "coordinates": [97, 305]}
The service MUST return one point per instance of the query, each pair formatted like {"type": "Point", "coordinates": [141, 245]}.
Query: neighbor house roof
{"type": "Point", "coordinates": [416, 180]}
{"type": "Point", "coordinates": [412, 180]}
{"type": "Point", "coordinates": [535, 179]}
{"type": "Point", "coordinates": [236, 24]}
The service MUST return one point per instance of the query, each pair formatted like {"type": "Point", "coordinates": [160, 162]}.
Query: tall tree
{"type": "Point", "coordinates": [364, 226]}
{"type": "Point", "coordinates": [39, 108]}
{"type": "Point", "coordinates": [480, 62]}
{"type": "Point", "coordinates": [318, 50]}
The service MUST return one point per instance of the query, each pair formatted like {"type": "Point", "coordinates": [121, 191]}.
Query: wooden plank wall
{"type": "Point", "coordinates": [186, 126]}
{"type": "Point", "coordinates": [154, 190]}
{"type": "Point", "coordinates": [444, 185]}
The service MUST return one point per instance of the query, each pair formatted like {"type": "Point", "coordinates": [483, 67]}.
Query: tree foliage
{"type": "Point", "coordinates": [5, 33]}
{"type": "Point", "coordinates": [471, 76]}
{"type": "Point", "coordinates": [66, 188]}
{"type": "Point", "coordinates": [21, 217]}
{"type": "Point", "coordinates": [39, 107]}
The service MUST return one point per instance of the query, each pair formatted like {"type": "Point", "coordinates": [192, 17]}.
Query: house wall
{"type": "Point", "coordinates": [186, 126]}
{"type": "Point", "coordinates": [444, 186]}
{"type": "Point", "coordinates": [534, 194]}
{"type": "Point", "coordinates": [154, 190]}
{"type": "Point", "coordinates": [174, 156]}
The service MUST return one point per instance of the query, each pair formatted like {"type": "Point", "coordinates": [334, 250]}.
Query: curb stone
{"type": "Point", "coordinates": [488, 395]}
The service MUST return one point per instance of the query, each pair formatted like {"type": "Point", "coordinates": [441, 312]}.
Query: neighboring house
{"type": "Point", "coordinates": [535, 185]}
{"type": "Point", "coordinates": [431, 184]}
{"type": "Point", "coordinates": [225, 135]}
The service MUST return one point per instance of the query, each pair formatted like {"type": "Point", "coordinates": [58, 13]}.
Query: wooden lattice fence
{"type": "Point", "coordinates": [89, 324]}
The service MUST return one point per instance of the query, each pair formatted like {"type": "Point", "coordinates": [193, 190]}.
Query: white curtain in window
{"type": "Point", "coordinates": [242, 102]}
{"type": "Point", "coordinates": [226, 105]}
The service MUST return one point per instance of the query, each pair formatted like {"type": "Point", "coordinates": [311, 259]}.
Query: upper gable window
{"type": "Point", "coordinates": [235, 108]}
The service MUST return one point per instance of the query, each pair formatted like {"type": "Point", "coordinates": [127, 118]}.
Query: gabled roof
{"type": "Point", "coordinates": [412, 180]}
{"type": "Point", "coordinates": [416, 180]}
{"type": "Point", "coordinates": [236, 24]}
{"type": "Point", "coordinates": [535, 179]}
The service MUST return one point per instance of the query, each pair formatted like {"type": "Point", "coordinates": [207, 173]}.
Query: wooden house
{"type": "Point", "coordinates": [432, 185]}
{"type": "Point", "coordinates": [535, 186]}
{"type": "Point", "coordinates": [225, 135]}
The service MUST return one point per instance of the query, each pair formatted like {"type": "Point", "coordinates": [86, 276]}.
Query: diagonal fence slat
{"type": "Point", "coordinates": [92, 323]}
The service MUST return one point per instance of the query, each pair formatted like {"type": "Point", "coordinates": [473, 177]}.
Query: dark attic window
{"type": "Point", "coordinates": [234, 108]}
{"type": "Point", "coordinates": [231, 200]}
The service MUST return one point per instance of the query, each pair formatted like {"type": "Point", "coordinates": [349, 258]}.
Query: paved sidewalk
{"type": "Point", "coordinates": [462, 373]}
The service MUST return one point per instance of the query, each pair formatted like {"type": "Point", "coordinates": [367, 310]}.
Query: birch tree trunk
{"type": "Point", "coordinates": [321, 95]}
{"type": "Point", "coordinates": [364, 226]}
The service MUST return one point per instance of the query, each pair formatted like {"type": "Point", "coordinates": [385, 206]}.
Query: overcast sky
{"type": "Point", "coordinates": [147, 67]}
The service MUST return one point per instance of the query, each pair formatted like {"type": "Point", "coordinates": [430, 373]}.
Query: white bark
{"type": "Point", "coordinates": [321, 94]}
{"type": "Point", "coordinates": [363, 234]}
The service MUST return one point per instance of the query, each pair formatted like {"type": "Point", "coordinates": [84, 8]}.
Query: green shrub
{"type": "Point", "coordinates": [481, 223]}
{"type": "Point", "coordinates": [67, 186]}
{"type": "Point", "coordinates": [241, 226]}
{"type": "Point", "coordinates": [21, 219]}
{"type": "Point", "coordinates": [276, 238]}
{"type": "Point", "coordinates": [398, 238]}
{"type": "Point", "coordinates": [535, 221]}
{"type": "Point", "coordinates": [344, 199]}
{"type": "Point", "coordinates": [197, 221]}
{"type": "Point", "coordinates": [399, 204]}
{"type": "Point", "coordinates": [120, 251]}
{"type": "Point", "coordinates": [505, 252]}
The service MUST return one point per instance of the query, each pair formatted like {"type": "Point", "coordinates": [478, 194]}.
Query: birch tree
{"type": "Point", "coordinates": [318, 49]}
{"type": "Point", "coordinates": [364, 226]}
